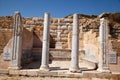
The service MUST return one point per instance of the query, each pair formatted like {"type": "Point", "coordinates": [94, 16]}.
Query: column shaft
{"type": "Point", "coordinates": [17, 42]}
{"type": "Point", "coordinates": [45, 46]}
{"type": "Point", "coordinates": [75, 45]}
{"type": "Point", "coordinates": [103, 56]}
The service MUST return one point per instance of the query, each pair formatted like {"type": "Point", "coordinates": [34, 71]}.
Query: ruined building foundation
{"type": "Point", "coordinates": [59, 47]}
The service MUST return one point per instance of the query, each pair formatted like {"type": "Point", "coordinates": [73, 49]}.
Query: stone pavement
{"type": "Point", "coordinates": [59, 73]}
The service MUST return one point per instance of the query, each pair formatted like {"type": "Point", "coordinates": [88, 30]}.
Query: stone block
{"type": "Point", "coordinates": [58, 45]}
{"type": "Point", "coordinates": [112, 57]}
{"type": "Point", "coordinates": [53, 27]}
{"type": "Point", "coordinates": [64, 35]}
{"type": "Point", "coordinates": [52, 31]}
{"type": "Point", "coordinates": [64, 27]}
{"type": "Point", "coordinates": [23, 72]}
{"type": "Point", "coordinates": [30, 22]}
{"type": "Point", "coordinates": [63, 39]}
{"type": "Point", "coordinates": [47, 73]}
{"type": "Point", "coordinates": [32, 73]}
{"type": "Point", "coordinates": [53, 35]}
{"type": "Point", "coordinates": [14, 72]}
{"type": "Point", "coordinates": [90, 64]}
{"type": "Point", "coordinates": [4, 71]}
{"type": "Point", "coordinates": [65, 31]}
{"type": "Point", "coordinates": [7, 52]}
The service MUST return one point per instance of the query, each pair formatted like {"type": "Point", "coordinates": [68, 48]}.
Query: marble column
{"type": "Point", "coordinates": [103, 54]}
{"type": "Point", "coordinates": [17, 42]}
{"type": "Point", "coordinates": [75, 45]}
{"type": "Point", "coordinates": [45, 46]}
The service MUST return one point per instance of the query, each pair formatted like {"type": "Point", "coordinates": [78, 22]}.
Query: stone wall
{"type": "Point", "coordinates": [28, 40]}
{"type": "Point", "coordinates": [64, 23]}
{"type": "Point", "coordinates": [116, 47]}
{"type": "Point", "coordinates": [89, 33]}
{"type": "Point", "coordinates": [5, 36]}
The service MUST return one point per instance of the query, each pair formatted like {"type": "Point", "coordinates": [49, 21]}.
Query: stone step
{"type": "Point", "coordinates": [55, 54]}
{"type": "Point", "coordinates": [62, 74]}
{"type": "Point", "coordinates": [4, 71]}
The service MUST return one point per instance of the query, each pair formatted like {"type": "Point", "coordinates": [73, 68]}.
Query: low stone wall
{"type": "Point", "coordinates": [60, 54]}
{"type": "Point", "coordinates": [114, 67]}
{"type": "Point", "coordinates": [7, 45]}
{"type": "Point", "coordinates": [56, 54]}
{"type": "Point", "coordinates": [5, 36]}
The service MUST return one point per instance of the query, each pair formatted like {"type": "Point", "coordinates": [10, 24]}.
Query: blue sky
{"type": "Point", "coordinates": [57, 8]}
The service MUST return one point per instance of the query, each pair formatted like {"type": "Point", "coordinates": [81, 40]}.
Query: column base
{"type": "Point", "coordinates": [14, 68]}
{"type": "Point", "coordinates": [74, 70]}
{"type": "Point", "coordinates": [103, 70]}
{"type": "Point", "coordinates": [44, 68]}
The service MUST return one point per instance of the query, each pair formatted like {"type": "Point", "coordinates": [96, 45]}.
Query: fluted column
{"type": "Point", "coordinates": [45, 46]}
{"type": "Point", "coordinates": [75, 45]}
{"type": "Point", "coordinates": [17, 42]}
{"type": "Point", "coordinates": [103, 54]}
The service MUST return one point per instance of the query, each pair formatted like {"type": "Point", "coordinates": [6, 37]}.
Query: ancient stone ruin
{"type": "Point", "coordinates": [74, 44]}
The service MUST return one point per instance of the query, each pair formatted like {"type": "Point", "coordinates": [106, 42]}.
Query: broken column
{"type": "Point", "coordinates": [45, 46]}
{"type": "Point", "coordinates": [103, 38]}
{"type": "Point", "coordinates": [75, 45]}
{"type": "Point", "coordinates": [17, 42]}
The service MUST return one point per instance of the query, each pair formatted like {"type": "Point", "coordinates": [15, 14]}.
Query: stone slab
{"type": "Point", "coordinates": [7, 51]}
{"type": "Point", "coordinates": [112, 57]}
{"type": "Point", "coordinates": [62, 73]}
{"type": "Point", "coordinates": [4, 71]}
{"type": "Point", "coordinates": [58, 45]}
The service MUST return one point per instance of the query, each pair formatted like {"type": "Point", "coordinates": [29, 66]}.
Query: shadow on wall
{"type": "Point", "coordinates": [52, 42]}
{"type": "Point", "coordinates": [34, 61]}
{"type": "Point", "coordinates": [37, 42]}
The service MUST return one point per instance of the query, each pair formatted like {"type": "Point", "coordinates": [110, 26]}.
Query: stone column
{"type": "Point", "coordinates": [75, 45]}
{"type": "Point", "coordinates": [103, 55]}
{"type": "Point", "coordinates": [45, 46]}
{"type": "Point", "coordinates": [17, 42]}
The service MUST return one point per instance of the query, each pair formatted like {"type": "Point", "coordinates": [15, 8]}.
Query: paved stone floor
{"type": "Point", "coordinates": [36, 74]}
{"type": "Point", "coordinates": [57, 73]}
{"type": "Point", "coordinates": [57, 65]}
{"type": "Point", "coordinates": [4, 77]}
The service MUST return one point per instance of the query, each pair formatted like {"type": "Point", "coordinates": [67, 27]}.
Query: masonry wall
{"type": "Point", "coordinates": [5, 36]}
{"type": "Point", "coordinates": [89, 33]}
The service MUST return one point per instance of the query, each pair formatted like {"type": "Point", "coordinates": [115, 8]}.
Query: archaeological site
{"type": "Point", "coordinates": [76, 46]}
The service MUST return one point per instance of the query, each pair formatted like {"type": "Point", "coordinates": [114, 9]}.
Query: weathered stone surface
{"type": "Point", "coordinates": [8, 50]}
{"type": "Point", "coordinates": [26, 47]}
{"type": "Point", "coordinates": [32, 73]}
{"type": "Point", "coordinates": [88, 40]}
{"type": "Point", "coordinates": [65, 31]}
{"type": "Point", "coordinates": [64, 27]}
{"type": "Point", "coordinates": [3, 64]}
{"type": "Point", "coordinates": [75, 45]}
{"type": "Point", "coordinates": [14, 72]}
{"type": "Point", "coordinates": [64, 39]}
{"type": "Point", "coordinates": [53, 27]}
{"type": "Point", "coordinates": [5, 35]}
{"type": "Point", "coordinates": [46, 40]}
{"type": "Point", "coordinates": [64, 35]}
